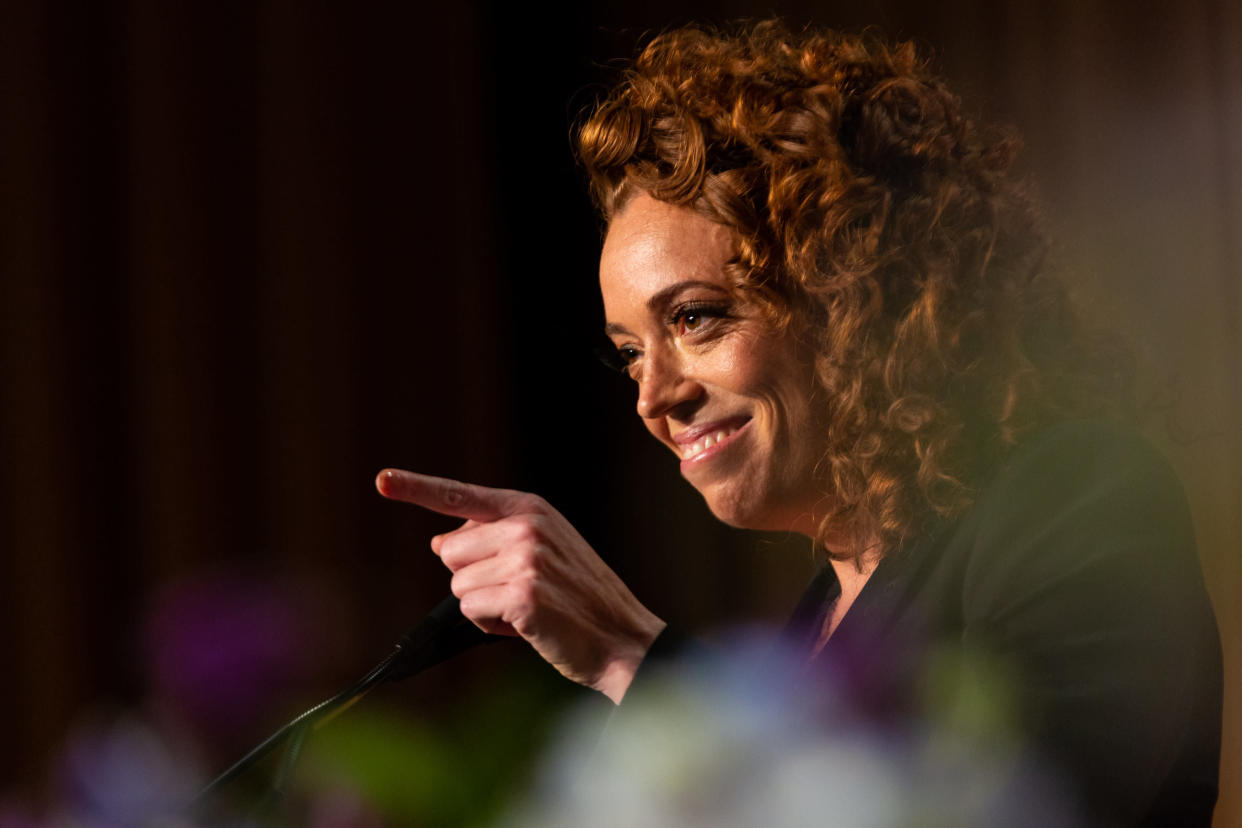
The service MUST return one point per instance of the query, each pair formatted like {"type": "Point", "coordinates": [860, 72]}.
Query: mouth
{"type": "Point", "coordinates": [700, 444]}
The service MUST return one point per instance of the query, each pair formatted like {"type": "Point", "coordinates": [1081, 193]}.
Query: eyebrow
{"type": "Point", "coordinates": [663, 298]}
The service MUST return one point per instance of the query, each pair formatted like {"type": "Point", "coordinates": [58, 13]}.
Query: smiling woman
{"type": "Point", "coordinates": [878, 224]}
{"type": "Point", "coordinates": [725, 392]}
{"type": "Point", "coordinates": [833, 298]}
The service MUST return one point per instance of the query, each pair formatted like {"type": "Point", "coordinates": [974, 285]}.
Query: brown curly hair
{"type": "Point", "coordinates": [882, 223]}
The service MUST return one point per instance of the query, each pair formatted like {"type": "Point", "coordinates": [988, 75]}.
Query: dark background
{"type": "Point", "coordinates": [251, 253]}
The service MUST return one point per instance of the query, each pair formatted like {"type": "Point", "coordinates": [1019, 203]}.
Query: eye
{"type": "Point", "coordinates": [696, 316]}
{"type": "Point", "coordinates": [618, 359]}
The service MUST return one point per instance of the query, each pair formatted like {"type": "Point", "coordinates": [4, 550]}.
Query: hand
{"type": "Point", "coordinates": [519, 568]}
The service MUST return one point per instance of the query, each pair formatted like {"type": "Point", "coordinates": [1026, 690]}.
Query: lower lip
{"type": "Point", "coordinates": [707, 454]}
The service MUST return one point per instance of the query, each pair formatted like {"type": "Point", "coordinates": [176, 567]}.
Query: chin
{"type": "Point", "coordinates": [750, 507]}
{"type": "Point", "coordinates": [738, 510]}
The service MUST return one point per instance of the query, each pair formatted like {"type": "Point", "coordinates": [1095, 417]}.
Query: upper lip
{"type": "Point", "coordinates": [698, 432]}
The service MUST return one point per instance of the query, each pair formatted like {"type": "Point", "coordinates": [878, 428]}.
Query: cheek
{"type": "Point", "coordinates": [784, 387]}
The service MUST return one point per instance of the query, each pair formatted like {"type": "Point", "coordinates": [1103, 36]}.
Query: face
{"type": "Point", "coordinates": [731, 398]}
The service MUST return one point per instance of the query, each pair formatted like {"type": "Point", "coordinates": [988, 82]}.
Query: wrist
{"type": "Point", "coordinates": [618, 674]}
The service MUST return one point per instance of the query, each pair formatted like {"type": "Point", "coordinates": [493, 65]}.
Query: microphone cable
{"type": "Point", "coordinates": [444, 633]}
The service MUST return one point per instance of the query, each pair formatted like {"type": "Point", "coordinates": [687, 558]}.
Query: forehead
{"type": "Point", "coordinates": [652, 245]}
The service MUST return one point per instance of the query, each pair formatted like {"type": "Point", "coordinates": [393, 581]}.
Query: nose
{"type": "Point", "coordinates": [665, 385]}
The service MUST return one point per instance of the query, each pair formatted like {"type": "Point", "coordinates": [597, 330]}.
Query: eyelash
{"type": "Point", "coordinates": [614, 357]}
{"type": "Point", "coordinates": [620, 359]}
{"type": "Point", "coordinates": [704, 310]}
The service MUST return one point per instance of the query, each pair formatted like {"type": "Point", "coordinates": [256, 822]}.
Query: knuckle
{"type": "Point", "coordinates": [528, 503]}
{"type": "Point", "coordinates": [522, 595]}
{"type": "Point", "coordinates": [527, 556]}
{"type": "Point", "coordinates": [448, 550]}
{"type": "Point", "coordinates": [525, 531]}
{"type": "Point", "coordinates": [521, 546]}
{"type": "Point", "coordinates": [451, 493]}
{"type": "Point", "coordinates": [457, 586]}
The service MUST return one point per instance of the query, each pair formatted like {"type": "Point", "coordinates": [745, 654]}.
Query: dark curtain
{"type": "Point", "coordinates": [252, 253]}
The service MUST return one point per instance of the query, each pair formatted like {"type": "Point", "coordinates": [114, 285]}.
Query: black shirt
{"type": "Point", "coordinates": [1071, 592]}
{"type": "Point", "coordinates": [1074, 576]}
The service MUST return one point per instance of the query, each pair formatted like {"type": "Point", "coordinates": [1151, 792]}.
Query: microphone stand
{"type": "Point", "coordinates": [444, 633]}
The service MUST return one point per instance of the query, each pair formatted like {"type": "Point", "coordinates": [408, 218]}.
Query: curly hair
{"type": "Point", "coordinates": [884, 225]}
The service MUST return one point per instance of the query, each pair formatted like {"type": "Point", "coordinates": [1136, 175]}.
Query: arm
{"type": "Point", "coordinates": [519, 568]}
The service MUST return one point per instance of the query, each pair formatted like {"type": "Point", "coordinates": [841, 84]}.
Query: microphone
{"type": "Point", "coordinates": [444, 633]}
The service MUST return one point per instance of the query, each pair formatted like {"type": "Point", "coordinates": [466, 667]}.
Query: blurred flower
{"type": "Point", "coordinates": [123, 772]}
{"type": "Point", "coordinates": [16, 813]}
{"type": "Point", "coordinates": [220, 648]}
{"type": "Point", "coordinates": [749, 736]}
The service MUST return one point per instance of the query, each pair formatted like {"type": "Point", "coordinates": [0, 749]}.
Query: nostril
{"type": "Point", "coordinates": [680, 404]}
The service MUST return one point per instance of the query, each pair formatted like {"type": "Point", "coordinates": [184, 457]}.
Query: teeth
{"type": "Point", "coordinates": [699, 446]}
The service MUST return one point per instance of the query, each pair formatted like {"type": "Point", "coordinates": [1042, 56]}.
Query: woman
{"type": "Point", "coordinates": [833, 299]}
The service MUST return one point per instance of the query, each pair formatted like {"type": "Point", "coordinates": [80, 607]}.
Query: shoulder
{"type": "Point", "coordinates": [1080, 565]}
{"type": "Point", "coordinates": [1082, 460]}
{"type": "Point", "coordinates": [1080, 497]}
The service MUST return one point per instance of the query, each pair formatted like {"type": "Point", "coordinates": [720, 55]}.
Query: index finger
{"type": "Point", "coordinates": [452, 497]}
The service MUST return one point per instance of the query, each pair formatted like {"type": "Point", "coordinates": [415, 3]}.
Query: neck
{"type": "Point", "coordinates": [852, 574]}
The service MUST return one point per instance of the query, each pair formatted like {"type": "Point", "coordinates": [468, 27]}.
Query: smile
{"type": "Point", "coordinates": [710, 440]}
